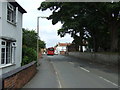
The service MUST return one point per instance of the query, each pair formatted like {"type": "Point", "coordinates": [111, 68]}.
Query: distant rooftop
{"type": "Point", "coordinates": [64, 44]}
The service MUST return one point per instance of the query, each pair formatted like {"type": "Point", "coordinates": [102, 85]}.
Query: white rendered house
{"type": "Point", "coordinates": [61, 47]}
{"type": "Point", "coordinates": [10, 36]}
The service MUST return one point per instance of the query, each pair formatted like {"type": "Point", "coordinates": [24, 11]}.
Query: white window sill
{"type": "Point", "coordinates": [7, 65]}
{"type": "Point", "coordinates": [11, 23]}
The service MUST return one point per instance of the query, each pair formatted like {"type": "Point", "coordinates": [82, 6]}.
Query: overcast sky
{"type": "Point", "coordinates": [48, 32]}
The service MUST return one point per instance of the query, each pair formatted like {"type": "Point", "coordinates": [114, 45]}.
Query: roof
{"type": "Point", "coordinates": [64, 44]}
{"type": "Point", "coordinates": [15, 4]}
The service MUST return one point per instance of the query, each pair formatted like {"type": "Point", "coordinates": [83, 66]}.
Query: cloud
{"type": "Point", "coordinates": [48, 32]}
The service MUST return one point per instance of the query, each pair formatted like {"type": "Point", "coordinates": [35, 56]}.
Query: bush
{"type": "Point", "coordinates": [28, 55]}
{"type": "Point", "coordinates": [25, 60]}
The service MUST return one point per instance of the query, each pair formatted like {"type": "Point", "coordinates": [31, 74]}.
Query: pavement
{"type": "Point", "coordinates": [68, 72]}
{"type": "Point", "coordinates": [45, 77]}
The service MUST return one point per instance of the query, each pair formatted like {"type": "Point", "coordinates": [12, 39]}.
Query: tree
{"type": "Point", "coordinates": [68, 19]}
{"type": "Point", "coordinates": [28, 55]}
{"type": "Point", "coordinates": [42, 44]}
{"type": "Point", "coordinates": [30, 39]}
{"type": "Point", "coordinates": [100, 20]}
{"type": "Point", "coordinates": [113, 19]}
{"type": "Point", "coordinates": [29, 47]}
{"type": "Point", "coordinates": [110, 16]}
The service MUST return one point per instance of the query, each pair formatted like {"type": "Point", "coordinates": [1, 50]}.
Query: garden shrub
{"type": "Point", "coordinates": [28, 55]}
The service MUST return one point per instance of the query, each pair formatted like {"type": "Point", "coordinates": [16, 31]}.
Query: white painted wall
{"type": "Point", "coordinates": [60, 48]}
{"type": "Point", "coordinates": [0, 19]}
{"type": "Point", "coordinates": [0, 30]}
{"type": "Point", "coordinates": [84, 48]}
{"type": "Point", "coordinates": [15, 32]}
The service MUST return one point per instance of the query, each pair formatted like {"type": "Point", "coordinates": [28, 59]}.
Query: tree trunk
{"type": "Point", "coordinates": [81, 49]}
{"type": "Point", "coordinates": [114, 38]}
{"type": "Point", "coordinates": [95, 43]}
{"type": "Point", "coordinates": [81, 43]}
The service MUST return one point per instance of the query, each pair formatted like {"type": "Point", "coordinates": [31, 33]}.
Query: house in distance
{"type": "Point", "coordinates": [61, 48]}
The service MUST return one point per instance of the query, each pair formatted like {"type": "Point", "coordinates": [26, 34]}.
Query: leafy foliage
{"type": "Point", "coordinates": [30, 38]}
{"type": "Point", "coordinates": [29, 49]}
{"type": "Point", "coordinates": [101, 21]}
{"type": "Point", "coordinates": [29, 55]}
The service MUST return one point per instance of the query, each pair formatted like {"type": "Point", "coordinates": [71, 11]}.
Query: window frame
{"type": "Point", "coordinates": [11, 54]}
{"type": "Point", "coordinates": [11, 18]}
{"type": "Point", "coordinates": [3, 46]}
{"type": "Point", "coordinates": [8, 53]}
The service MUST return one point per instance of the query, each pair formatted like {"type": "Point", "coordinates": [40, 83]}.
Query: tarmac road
{"type": "Point", "coordinates": [68, 72]}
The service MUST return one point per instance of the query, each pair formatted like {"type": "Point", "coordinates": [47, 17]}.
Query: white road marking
{"type": "Point", "coordinates": [51, 62]}
{"type": "Point", "coordinates": [108, 81]}
{"type": "Point", "coordinates": [84, 69]}
{"type": "Point", "coordinates": [60, 86]}
{"type": "Point", "coordinates": [56, 73]}
{"type": "Point", "coordinates": [71, 62]}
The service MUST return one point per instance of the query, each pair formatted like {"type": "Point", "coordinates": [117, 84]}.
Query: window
{"type": "Point", "coordinates": [3, 56]}
{"type": "Point", "coordinates": [51, 49]}
{"type": "Point", "coordinates": [7, 52]}
{"type": "Point", "coordinates": [11, 13]}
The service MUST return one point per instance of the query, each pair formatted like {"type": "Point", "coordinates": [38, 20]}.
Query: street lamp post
{"type": "Point", "coordinates": [38, 37]}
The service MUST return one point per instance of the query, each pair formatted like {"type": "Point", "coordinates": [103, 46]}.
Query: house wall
{"type": "Point", "coordinates": [60, 48]}
{"type": "Point", "coordinates": [0, 30]}
{"type": "Point", "coordinates": [15, 32]}
{"type": "Point", "coordinates": [0, 18]}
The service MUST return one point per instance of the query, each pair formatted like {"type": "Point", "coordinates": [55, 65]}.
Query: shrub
{"type": "Point", "coordinates": [29, 55]}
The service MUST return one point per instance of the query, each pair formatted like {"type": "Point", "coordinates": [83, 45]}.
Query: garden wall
{"type": "Point", "coordinates": [19, 77]}
{"type": "Point", "coordinates": [109, 59]}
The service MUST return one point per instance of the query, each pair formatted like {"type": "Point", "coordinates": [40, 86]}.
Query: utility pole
{"type": "Point", "coordinates": [38, 38]}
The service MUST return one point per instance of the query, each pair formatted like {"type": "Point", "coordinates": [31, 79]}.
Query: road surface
{"type": "Point", "coordinates": [68, 72]}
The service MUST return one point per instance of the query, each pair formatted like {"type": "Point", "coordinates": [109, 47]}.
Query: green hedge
{"type": "Point", "coordinates": [28, 55]}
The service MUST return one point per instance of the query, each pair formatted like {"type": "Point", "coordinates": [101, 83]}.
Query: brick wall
{"type": "Point", "coordinates": [19, 77]}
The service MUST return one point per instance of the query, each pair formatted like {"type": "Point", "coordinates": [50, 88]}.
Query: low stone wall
{"type": "Point", "coordinates": [19, 77]}
{"type": "Point", "coordinates": [108, 59]}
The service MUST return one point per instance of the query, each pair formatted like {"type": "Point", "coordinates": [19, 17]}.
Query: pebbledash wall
{"type": "Point", "coordinates": [19, 77]}
{"type": "Point", "coordinates": [9, 30]}
{"type": "Point", "coordinates": [109, 59]}
{"type": "Point", "coordinates": [0, 19]}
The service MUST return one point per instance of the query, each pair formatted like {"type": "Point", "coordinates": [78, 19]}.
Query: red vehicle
{"type": "Point", "coordinates": [50, 51]}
